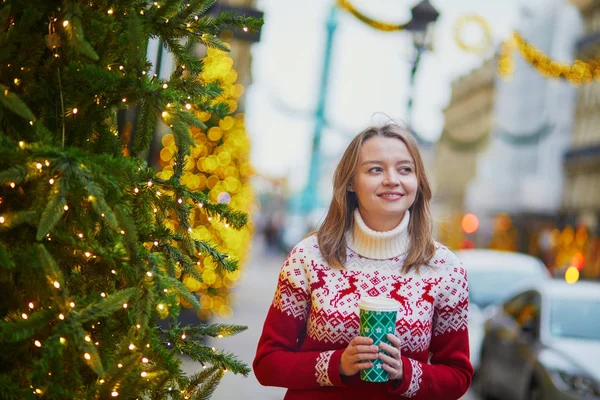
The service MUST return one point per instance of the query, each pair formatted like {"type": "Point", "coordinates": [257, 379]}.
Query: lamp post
{"type": "Point", "coordinates": [421, 26]}
{"type": "Point", "coordinates": [309, 198]}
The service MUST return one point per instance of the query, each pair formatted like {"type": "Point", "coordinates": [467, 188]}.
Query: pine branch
{"type": "Point", "coordinates": [136, 52]}
{"type": "Point", "coordinates": [219, 330]}
{"type": "Point", "coordinates": [144, 307]}
{"type": "Point", "coordinates": [221, 259]}
{"type": "Point", "coordinates": [190, 119]}
{"type": "Point", "coordinates": [148, 116]}
{"type": "Point", "coordinates": [213, 41]}
{"type": "Point", "coordinates": [74, 31]}
{"type": "Point", "coordinates": [130, 232]}
{"type": "Point", "coordinates": [54, 209]}
{"type": "Point", "coordinates": [180, 289]}
{"type": "Point", "coordinates": [54, 275]}
{"type": "Point", "coordinates": [6, 261]}
{"type": "Point", "coordinates": [9, 388]}
{"type": "Point", "coordinates": [196, 7]}
{"type": "Point", "coordinates": [4, 18]}
{"type": "Point", "coordinates": [105, 307]}
{"type": "Point", "coordinates": [15, 104]}
{"type": "Point", "coordinates": [181, 133]}
{"type": "Point", "coordinates": [183, 56]}
{"type": "Point", "coordinates": [220, 109]}
{"type": "Point", "coordinates": [201, 353]}
{"type": "Point", "coordinates": [16, 329]}
{"type": "Point", "coordinates": [207, 383]}
{"type": "Point", "coordinates": [14, 220]}
{"type": "Point", "coordinates": [231, 20]}
{"type": "Point", "coordinates": [96, 197]}
{"type": "Point", "coordinates": [117, 374]}
{"type": "Point", "coordinates": [17, 174]}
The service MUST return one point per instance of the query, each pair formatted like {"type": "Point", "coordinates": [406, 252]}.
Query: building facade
{"type": "Point", "coordinates": [581, 200]}
{"type": "Point", "coordinates": [518, 187]}
{"type": "Point", "coordinates": [468, 120]}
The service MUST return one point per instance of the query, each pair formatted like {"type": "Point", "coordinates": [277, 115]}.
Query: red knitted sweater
{"type": "Point", "coordinates": [314, 315]}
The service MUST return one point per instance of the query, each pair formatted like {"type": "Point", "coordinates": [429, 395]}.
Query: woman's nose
{"type": "Point", "coordinates": [391, 180]}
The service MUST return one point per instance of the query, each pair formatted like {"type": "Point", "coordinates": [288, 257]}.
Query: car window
{"type": "Point", "coordinates": [524, 309]}
{"type": "Point", "coordinates": [514, 306]}
{"type": "Point", "coordinates": [495, 285]}
{"type": "Point", "coordinates": [575, 318]}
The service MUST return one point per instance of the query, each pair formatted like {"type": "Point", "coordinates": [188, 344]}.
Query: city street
{"type": "Point", "coordinates": [252, 298]}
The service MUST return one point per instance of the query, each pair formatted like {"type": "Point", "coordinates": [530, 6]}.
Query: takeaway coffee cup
{"type": "Point", "coordinates": [377, 319]}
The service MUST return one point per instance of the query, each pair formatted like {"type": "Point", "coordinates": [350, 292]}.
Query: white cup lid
{"type": "Point", "coordinates": [378, 304]}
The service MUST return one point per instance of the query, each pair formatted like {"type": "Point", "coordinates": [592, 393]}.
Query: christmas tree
{"type": "Point", "coordinates": [88, 262]}
{"type": "Point", "coordinates": [219, 166]}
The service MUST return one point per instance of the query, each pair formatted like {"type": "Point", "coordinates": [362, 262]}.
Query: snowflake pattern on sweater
{"type": "Point", "coordinates": [314, 315]}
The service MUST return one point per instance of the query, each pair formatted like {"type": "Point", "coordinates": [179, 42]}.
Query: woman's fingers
{"type": "Point", "coordinates": [366, 349]}
{"type": "Point", "coordinates": [391, 357]}
{"type": "Point", "coordinates": [393, 362]}
{"type": "Point", "coordinates": [361, 340]}
{"type": "Point", "coordinates": [396, 342]}
{"type": "Point", "coordinates": [393, 351]}
{"type": "Point", "coordinates": [366, 356]}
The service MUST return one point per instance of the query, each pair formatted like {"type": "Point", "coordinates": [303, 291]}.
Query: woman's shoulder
{"type": "Point", "coordinates": [309, 241]}
{"type": "Point", "coordinates": [446, 262]}
{"type": "Point", "coordinates": [308, 246]}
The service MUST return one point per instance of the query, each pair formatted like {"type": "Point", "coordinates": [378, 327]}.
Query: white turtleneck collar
{"type": "Point", "coordinates": [378, 245]}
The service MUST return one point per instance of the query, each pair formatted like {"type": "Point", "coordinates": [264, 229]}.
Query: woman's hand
{"type": "Point", "coordinates": [357, 355]}
{"type": "Point", "coordinates": [392, 362]}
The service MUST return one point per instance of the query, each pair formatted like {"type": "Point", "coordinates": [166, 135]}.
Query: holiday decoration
{"type": "Point", "coordinates": [580, 72]}
{"type": "Point", "coordinates": [505, 234]}
{"type": "Point", "coordinates": [94, 246]}
{"type": "Point", "coordinates": [219, 167]}
{"type": "Point", "coordinates": [486, 36]}
{"type": "Point", "coordinates": [380, 26]}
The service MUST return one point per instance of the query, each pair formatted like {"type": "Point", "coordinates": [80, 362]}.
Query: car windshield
{"type": "Point", "coordinates": [575, 318]}
{"type": "Point", "coordinates": [494, 285]}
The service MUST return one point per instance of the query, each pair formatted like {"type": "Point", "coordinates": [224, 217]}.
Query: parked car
{"type": "Point", "coordinates": [493, 277]}
{"type": "Point", "coordinates": [544, 343]}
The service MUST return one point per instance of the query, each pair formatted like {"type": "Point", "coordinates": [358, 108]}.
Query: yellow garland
{"type": "Point", "coordinates": [486, 41]}
{"type": "Point", "coordinates": [380, 26]}
{"type": "Point", "coordinates": [578, 73]}
{"type": "Point", "coordinates": [506, 62]}
{"type": "Point", "coordinates": [219, 166]}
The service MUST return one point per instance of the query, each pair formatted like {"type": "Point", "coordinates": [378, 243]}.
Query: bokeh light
{"type": "Point", "coordinates": [470, 223]}
{"type": "Point", "coordinates": [219, 166]}
{"type": "Point", "coordinates": [572, 275]}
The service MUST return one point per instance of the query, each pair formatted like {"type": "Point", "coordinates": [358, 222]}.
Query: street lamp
{"type": "Point", "coordinates": [421, 26]}
{"type": "Point", "coordinates": [309, 199]}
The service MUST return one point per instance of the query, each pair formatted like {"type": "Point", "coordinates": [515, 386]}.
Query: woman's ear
{"type": "Point", "coordinates": [350, 187]}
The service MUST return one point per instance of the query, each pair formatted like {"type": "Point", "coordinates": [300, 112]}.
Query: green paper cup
{"type": "Point", "coordinates": [377, 319]}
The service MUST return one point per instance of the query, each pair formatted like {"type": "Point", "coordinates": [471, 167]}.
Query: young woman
{"type": "Point", "coordinates": [376, 240]}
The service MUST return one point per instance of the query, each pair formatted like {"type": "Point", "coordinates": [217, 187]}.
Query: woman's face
{"type": "Point", "coordinates": [385, 182]}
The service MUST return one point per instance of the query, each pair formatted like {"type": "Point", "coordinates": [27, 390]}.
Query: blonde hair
{"type": "Point", "coordinates": [340, 216]}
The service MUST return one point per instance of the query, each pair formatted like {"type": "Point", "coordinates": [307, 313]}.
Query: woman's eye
{"type": "Point", "coordinates": [406, 170]}
{"type": "Point", "coordinates": [375, 169]}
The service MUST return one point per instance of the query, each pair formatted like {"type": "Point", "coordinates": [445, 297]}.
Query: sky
{"type": "Point", "coordinates": [369, 75]}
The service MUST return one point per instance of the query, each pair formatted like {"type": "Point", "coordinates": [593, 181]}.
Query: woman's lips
{"type": "Point", "coordinates": [390, 195]}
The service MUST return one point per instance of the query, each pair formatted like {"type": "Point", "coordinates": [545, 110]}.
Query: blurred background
{"type": "Point", "coordinates": [510, 142]}
{"type": "Point", "coordinates": [504, 100]}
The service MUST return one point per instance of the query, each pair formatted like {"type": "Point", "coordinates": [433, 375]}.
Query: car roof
{"type": "Point", "coordinates": [558, 288]}
{"type": "Point", "coordinates": [484, 258]}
